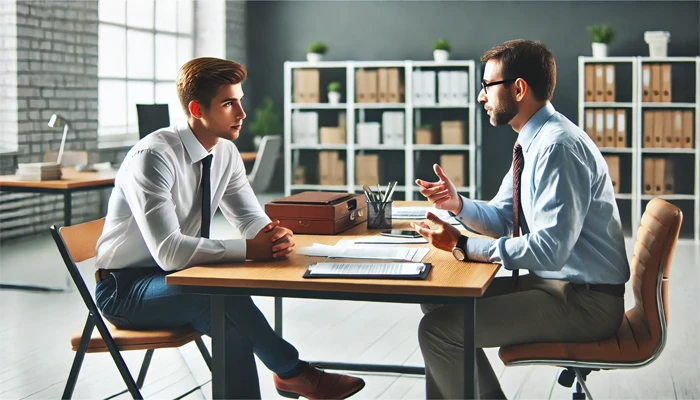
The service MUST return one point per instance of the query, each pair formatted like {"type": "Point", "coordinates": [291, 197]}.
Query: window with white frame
{"type": "Point", "coordinates": [142, 43]}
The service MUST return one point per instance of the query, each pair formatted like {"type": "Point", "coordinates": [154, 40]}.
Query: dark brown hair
{"type": "Point", "coordinates": [531, 61]}
{"type": "Point", "coordinates": [200, 79]}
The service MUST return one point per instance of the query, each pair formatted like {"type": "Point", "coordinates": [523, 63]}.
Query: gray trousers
{"type": "Point", "coordinates": [541, 310]}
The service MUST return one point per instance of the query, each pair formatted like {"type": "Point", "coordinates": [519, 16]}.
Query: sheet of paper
{"type": "Point", "coordinates": [327, 268]}
{"type": "Point", "coordinates": [381, 239]}
{"type": "Point", "coordinates": [419, 213]}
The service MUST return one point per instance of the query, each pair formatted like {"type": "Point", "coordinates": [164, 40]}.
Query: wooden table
{"type": "Point", "coordinates": [71, 181]}
{"type": "Point", "coordinates": [449, 282]}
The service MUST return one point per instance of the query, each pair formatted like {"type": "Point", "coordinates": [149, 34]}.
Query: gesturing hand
{"type": "Point", "coordinates": [441, 194]}
{"type": "Point", "coordinates": [444, 236]}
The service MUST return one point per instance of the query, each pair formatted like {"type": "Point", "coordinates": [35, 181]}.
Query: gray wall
{"type": "Point", "coordinates": [279, 31]}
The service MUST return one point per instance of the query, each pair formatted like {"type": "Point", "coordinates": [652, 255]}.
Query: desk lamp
{"type": "Point", "coordinates": [57, 121]}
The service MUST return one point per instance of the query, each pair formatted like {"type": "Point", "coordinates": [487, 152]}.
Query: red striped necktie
{"type": "Point", "coordinates": [517, 171]}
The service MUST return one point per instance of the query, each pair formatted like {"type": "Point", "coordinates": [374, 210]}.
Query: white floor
{"type": "Point", "coordinates": [35, 354]}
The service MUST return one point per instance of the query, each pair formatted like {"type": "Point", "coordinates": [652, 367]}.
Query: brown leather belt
{"type": "Point", "coordinates": [615, 290]}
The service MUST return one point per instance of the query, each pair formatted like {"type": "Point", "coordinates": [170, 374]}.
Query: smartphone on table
{"type": "Point", "coordinates": [401, 233]}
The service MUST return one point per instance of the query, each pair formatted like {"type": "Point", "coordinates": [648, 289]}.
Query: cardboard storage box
{"type": "Point", "coordinates": [319, 213]}
{"type": "Point", "coordinates": [452, 132]}
{"type": "Point", "coordinates": [424, 136]}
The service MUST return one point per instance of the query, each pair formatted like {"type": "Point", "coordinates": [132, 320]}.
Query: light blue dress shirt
{"type": "Point", "coordinates": [572, 229]}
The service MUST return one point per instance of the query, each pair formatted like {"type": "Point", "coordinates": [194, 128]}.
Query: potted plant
{"type": "Point", "coordinates": [265, 122]}
{"type": "Point", "coordinates": [441, 50]}
{"type": "Point", "coordinates": [601, 36]}
{"type": "Point", "coordinates": [316, 51]}
{"type": "Point", "coordinates": [334, 92]}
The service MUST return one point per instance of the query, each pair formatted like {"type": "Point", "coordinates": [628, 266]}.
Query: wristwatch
{"type": "Point", "coordinates": [460, 249]}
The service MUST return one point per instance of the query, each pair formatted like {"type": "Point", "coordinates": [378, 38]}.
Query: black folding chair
{"type": "Point", "coordinates": [77, 243]}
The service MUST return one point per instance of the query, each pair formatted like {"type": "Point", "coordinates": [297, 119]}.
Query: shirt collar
{"type": "Point", "coordinates": [534, 124]}
{"type": "Point", "coordinates": [194, 149]}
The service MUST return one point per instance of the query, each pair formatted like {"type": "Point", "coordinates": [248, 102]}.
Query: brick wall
{"type": "Point", "coordinates": [8, 81]}
{"type": "Point", "coordinates": [56, 73]}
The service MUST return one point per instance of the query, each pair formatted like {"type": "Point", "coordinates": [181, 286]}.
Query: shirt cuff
{"type": "Point", "coordinates": [235, 250]}
{"type": "Point", "coordinates": [478, 249]}
{"type": "Point", "coordinates": [256, 227]}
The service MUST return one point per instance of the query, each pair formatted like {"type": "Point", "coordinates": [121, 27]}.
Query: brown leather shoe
{"type": "Point", "coordinates": [314, 383]}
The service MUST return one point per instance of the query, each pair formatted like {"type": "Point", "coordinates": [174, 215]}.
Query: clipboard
{"type": "Point", "coordinates": [422, 276]}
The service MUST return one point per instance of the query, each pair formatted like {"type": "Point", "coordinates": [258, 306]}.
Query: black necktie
{"type": "Point", "coordinates": [206, 195]}
{"type": "Point", "coordinates": [517, 171]}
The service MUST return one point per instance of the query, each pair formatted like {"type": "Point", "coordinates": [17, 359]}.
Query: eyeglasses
{"type": "Point", "coordinates": [484, 85]}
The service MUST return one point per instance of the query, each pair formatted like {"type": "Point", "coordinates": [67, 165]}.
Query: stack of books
{"type": "Point", "coordinates": [40, 171]}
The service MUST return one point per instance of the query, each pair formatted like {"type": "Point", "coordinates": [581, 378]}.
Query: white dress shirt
{"type": "Point", "coordinates": [154, 211]}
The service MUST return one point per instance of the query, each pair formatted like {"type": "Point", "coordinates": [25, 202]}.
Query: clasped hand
{"type": "Point", "coordinates": [272, 242]}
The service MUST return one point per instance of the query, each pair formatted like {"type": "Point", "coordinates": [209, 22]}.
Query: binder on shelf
{"type": "Point", "coordinates": [418, 94]}
{"type": "Point", "coordinates": [663, 176]}
{"type": "Point", "coordinates": [445, 90]}
{"type": "Point", "coordinates": [609, 83]}
{"type": "Point", "coordinates": [658, 137]}
{"type": "Point", "coordinates": [360, 86]}
{"type": "Point", "coordinates": [371, 78]}
{"type": "Point", "coordinates": [393, 128]}
{"type": "Point", "coordinates": [648, 129]}
{"type": "Point", "coordinates": [648, 175]}
{"type": "Point", "coordinates": [589, 125]}
{"type": "Point", "coordinates": [614, 170]}
{"type": "Point", "coordinates": [600, 128]}
{"type": "Point", "coordinates": [429, 87]}
{"type": "Point", "coordinates": [609, 130]}
{"type": "Point", "coordinates": [306, 85]}
{"type": "Point", "coordinates": [382, 85]}
{"type": "Point", "coordinates": [687, 139]}
{"type": "Point", "coordinates": [646, 83]}
{"type": "Point", "coordinates": [396, 92]}
{"type": "Point", "coordinates": [668, 129]}
{"type": "Point", "coordinates": [331, 168]}
{"type": "Point", "coordinates": [621, 128]}
{"type": "Point", "coordinates": [677, 134]}
{"type": "Point", "coordinates": [666, 83]}
{"type": "Point", "coordinates": [589, 82]}
{"type": "Point", "coordinates": [655, 83]}
{"type": "Point", "coordinates": [599, 83]}
{"type": "Point", "coordinates": [332, 135]}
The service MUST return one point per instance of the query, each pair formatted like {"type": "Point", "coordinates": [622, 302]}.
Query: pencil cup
{"type": "Point", "coordinates": [379, 216]}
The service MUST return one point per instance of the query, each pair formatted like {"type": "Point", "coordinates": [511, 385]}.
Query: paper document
{"type": "Point", "coordinates": [326, 268]}
{"type": "Point", "coordinates": [346, 249]}
{"type": "Point", "coordinates": [419, 213]}
{"type": "Point", "coordinates": [381, 239]}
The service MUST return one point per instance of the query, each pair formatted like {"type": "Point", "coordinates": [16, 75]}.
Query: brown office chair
{"type": "Point", "coordinates": [77, 243]}
{"type": "Point", "coordinates": [642, 335]}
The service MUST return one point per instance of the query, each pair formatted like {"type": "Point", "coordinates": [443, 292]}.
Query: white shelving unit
{"type": "Point", "coordinates": [355, 112]}
{"type": "Point", "coordinates": [637, 106]}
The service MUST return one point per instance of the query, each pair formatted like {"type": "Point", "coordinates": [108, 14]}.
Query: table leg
{"type": "Point", "coordinates": [218, 347]}
{"type": "Point", "coordinates": [278, 316]}
{"type": "Point", "coordinates": [471, 381]}
{"type": "Point", "coordinates": [67, 208]}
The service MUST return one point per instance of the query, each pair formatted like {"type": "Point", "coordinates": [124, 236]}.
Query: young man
{"type": "Point", "coordinates": [557, 201]}
{"type": "Point", "coordinates": [158, 221]}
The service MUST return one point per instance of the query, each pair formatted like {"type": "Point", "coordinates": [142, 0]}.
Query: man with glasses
{"type": "Point", "coordinates": [554, 215]}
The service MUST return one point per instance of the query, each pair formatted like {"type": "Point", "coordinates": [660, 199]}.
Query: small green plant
{"type": "Point", "coordinates": [601, 33]}
{"type": "Point", "coordinates": [442, 44]}
{"type": "Point", "coordinates": [318, 48]}
{"type": "Point", "coordinates": [426, 127]}
{"type": "Point", "coordinates": [334, 87]}
{"type": "Point", "coordinates": [266, 121]}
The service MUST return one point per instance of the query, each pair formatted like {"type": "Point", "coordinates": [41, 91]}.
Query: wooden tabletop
{"type": "Point", "coordinates": [71, 179]}
{"type": "Point", "coordinates": [249, 156]}
{"type": "Point", "coordinates": [448, 277]}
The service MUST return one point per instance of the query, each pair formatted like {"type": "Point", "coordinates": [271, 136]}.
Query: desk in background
{"type": "Point", "coordinates": [71, 181]}
{"type": "Point", "coordinates": [248, 156]}
{"type": "Point", "coordinates": [449, 282]}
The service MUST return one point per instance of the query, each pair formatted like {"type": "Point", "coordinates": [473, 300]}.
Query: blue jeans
{"type": "Point", "coordinates": [138, 298]}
